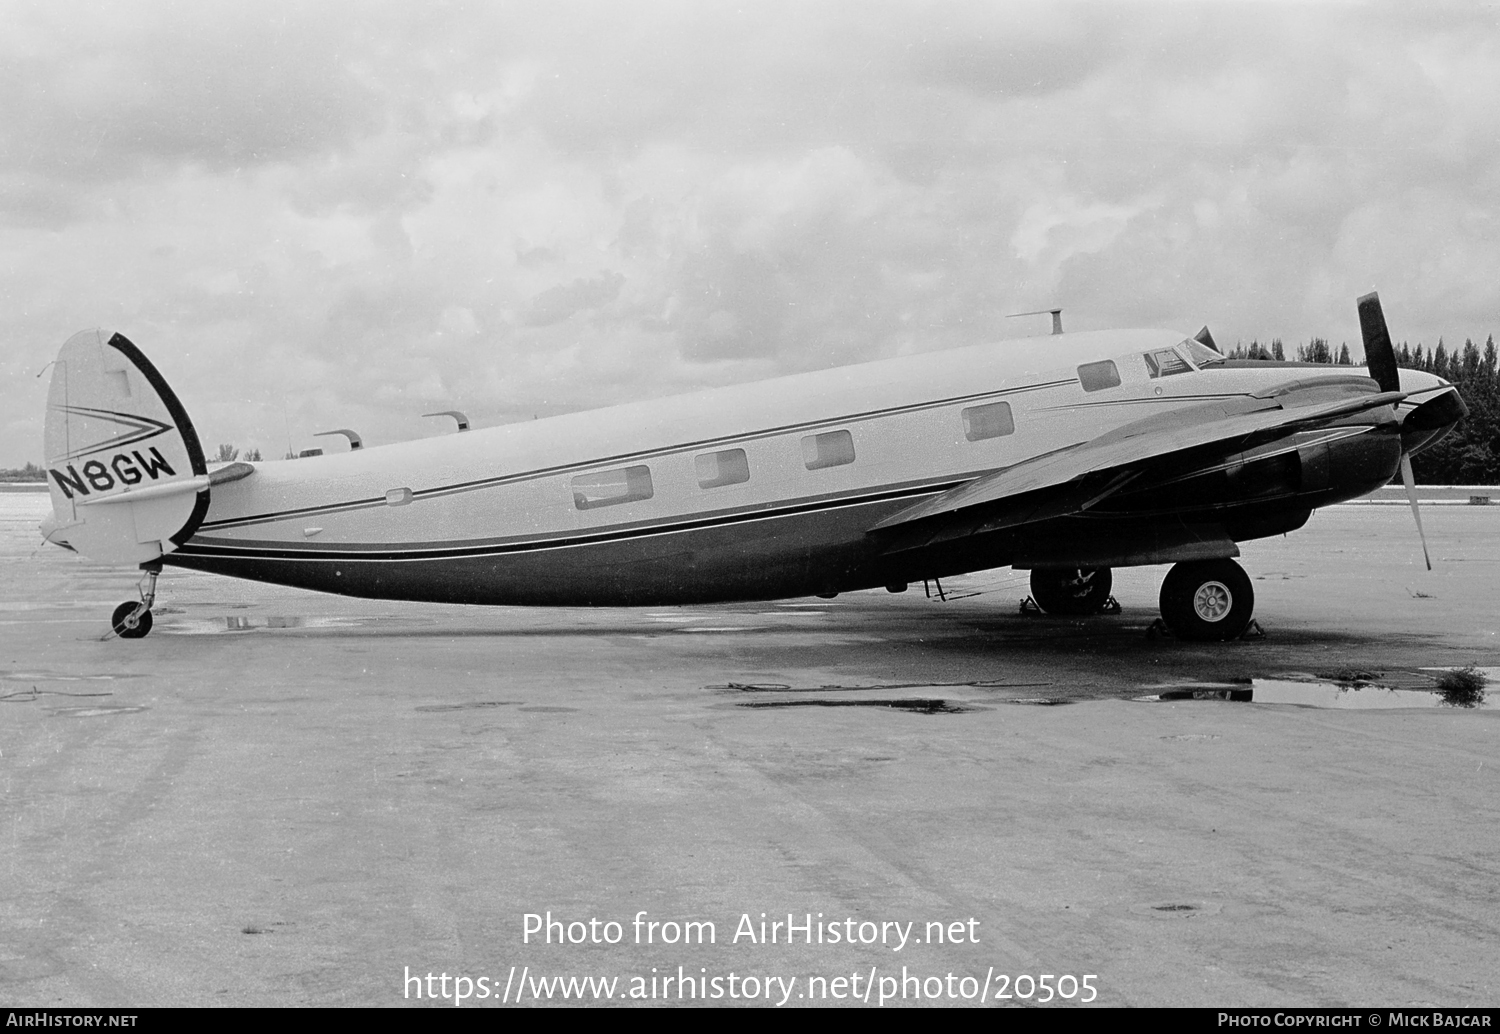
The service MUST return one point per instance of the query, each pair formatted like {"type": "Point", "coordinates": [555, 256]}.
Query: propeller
{"type": "Point", "coordinates": [1380, 357]}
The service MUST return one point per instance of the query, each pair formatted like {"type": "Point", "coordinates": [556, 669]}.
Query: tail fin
{"type": "Point", "coordinates": [127, 473]}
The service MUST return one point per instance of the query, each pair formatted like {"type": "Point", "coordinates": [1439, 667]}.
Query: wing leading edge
{"type": "Point", "coordinates": [1161, 447]}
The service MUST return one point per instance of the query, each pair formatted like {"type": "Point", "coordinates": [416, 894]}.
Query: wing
{"type": "Point", "coordinates": [1161, 447]}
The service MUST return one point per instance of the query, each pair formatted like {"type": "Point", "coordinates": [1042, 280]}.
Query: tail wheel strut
{"type": "Point", "coordinates": [131, 619]}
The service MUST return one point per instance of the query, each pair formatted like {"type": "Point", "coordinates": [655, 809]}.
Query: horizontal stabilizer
{"type": "Point", "coordinates": [233, 472]}
{"type": "Point", "coordinates": [139, 495]}
{"type": "Point", "coordinates": [230, 472]}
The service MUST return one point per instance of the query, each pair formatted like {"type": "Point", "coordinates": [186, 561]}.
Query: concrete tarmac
{"type": "Point", "coordinates": [281, 798]}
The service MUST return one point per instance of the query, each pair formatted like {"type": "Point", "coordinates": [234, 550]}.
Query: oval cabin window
{"type": "Point", "coordinates": [991, 421]}
{"type": "Point", "coordinates": [833, 449]}
{"type": "Point", "coordinates": [717, 469]}
{"type": "Point", "coordinates": [612, 487]}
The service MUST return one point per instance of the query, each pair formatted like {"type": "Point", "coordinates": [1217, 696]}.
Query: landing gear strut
{"type": "Point", "coordinates": [133, 620]}
{"type": "Point", "coordinates": [1071, 590]}
{"type": "Point", "coordinates": [1207, 599]}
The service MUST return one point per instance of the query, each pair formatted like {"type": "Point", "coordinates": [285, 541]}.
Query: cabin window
{"type": "Point", "coordinates": [717, 469]}
{"type": "Point", "coordinates": [991, 421]}
{"type": "Point", "coordinates": [1097, 376]}
{"type": "Point", "coordinates": [1165, 362]}
{"type": "Point", "coordinates": [833, 449]}
{"type": "Point", "coordinates": [609, 487]}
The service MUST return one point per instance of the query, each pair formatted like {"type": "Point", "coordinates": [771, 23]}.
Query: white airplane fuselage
{"type": "Point", "coordinates": [771, 489]}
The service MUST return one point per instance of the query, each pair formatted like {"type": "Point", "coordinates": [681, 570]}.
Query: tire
{"type": "Point", "coordinates": [142, 625]}
{"type": "Point", "coordinates": [1071, 590]}
{"type": "Point", "coordinates": [1207, 600]}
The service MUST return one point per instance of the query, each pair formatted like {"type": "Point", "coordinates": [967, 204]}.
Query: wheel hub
{"type": "Point", "coordinates": [1212, 601]}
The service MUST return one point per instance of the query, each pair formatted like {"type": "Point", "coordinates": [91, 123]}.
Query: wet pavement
{"type": "Point", "coordinates": [285, 798]}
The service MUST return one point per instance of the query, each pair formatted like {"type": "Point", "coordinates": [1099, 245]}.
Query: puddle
{"type": "Point", "coordinates": [93, 712]}
{"type": "Point", "coordinates": [918, 706]}
{"type": "Point", "coordinates": [1177, 909]}
{"type": "Point", "coordinates": [253, 929]}
{"type": "Point", "coordinates": [781, 687]}
{"type": "Point", "coordinates": [1330, 695]}
{"type": "Point", "coordinates": [237, 623]}
{"type": "Point", "coordinates": [32, 695]}
{"type": "Point", "coordinates": [471, 706]}
{"type": "Point", "coordinates": [1237, 694]}
{"type": "Point", "coordinates": [718, 628]}
{"type": "Point", "coordinates": [47, 676]}
{"type": "Point", "coordinates": [11, 606]}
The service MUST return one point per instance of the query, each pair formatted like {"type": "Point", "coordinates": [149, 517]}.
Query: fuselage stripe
{"type": "Point", "coordinates": [364, 553]}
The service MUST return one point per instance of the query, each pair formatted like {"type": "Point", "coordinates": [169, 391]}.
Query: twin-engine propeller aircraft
{"type": "Point", "coordinates": [1067, 455]}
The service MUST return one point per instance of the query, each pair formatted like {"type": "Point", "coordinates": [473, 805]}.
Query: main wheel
{"type": "Point", "coordinates": [125, 631]}
{"type": "Point", "coordinates": [1207, 599]}
{"type": "Point", "coordinates": [1070, 590]}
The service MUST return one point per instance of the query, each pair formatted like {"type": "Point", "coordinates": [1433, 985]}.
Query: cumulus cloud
{"type": "Point", "coordinates": [348, 214]}
{"type": "Point", "coordinates": [556, 304]}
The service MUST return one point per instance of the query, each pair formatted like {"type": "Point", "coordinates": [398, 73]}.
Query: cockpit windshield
{"type": "Point", "coordinates": [1200, 353]}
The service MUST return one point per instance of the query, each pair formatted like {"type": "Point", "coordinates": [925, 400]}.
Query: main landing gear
{"type": "Point", "coordinates": [1201, 600]}
{"type": "Point", "coordinates": [1071, 590]}
{"type": "Point", "coordinates": [1207, 600]}
{"type": "Point", "coordinates": [133, 620]}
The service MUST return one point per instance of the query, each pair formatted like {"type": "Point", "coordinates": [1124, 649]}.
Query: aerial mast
{"type": "Point", "coordinates": [1055, 313]}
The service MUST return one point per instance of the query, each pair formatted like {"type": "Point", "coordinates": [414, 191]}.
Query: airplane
{"type": "Point", "coordinates": [1066, 455]}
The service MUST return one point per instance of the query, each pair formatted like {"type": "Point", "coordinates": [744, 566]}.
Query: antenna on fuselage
{"type": "Point", "coordinates": [355, 442]}
{"type": "Point", "coordinates": [456, 414]}
{"type": "Point", "coordinates": [1055, 313]}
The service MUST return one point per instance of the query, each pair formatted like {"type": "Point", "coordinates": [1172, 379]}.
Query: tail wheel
{"type": "Point", "coordinates": [1071, 590]}
{"type": "Point", "coordinates": [1207, 600]}
{"type": "Point", "coordinates": [121, 622]}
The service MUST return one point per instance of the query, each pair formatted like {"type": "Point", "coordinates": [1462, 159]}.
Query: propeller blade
{"type": "Point", "coordinates": [1380, 357]}
{"type": "Point", "coordinates": [1380, 354]}
{"type": "Point", "coordinates": [1410, 482]}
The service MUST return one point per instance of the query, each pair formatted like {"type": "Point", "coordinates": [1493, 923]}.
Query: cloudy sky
{"type": "Point", "coordinates": [349, 214]}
